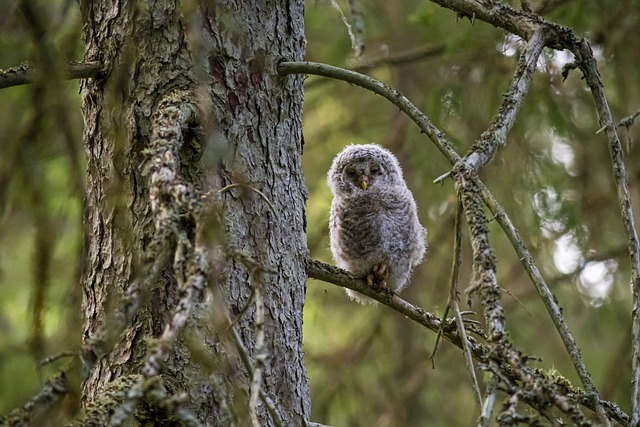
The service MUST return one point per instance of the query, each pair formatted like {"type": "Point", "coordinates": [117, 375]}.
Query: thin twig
{"type": "Point", "coordinates": [248, 364]}
{"type": "Point", "coordinates": [453, 299]}
{"type": "Point", "coordinates": [24, 74]}
{"type": "Point", "coordinates": [259, 358]}
{"type": "Point", "coordinates": [57, 356]}
{"type": "Point", "coordinates": [260, 193]}
{"type": "Point", "coordinates": [355, 42]}
{"type": "Point", "coordinates": [629, 120]}
{"type": "Point", "coordinates": [436, 344]}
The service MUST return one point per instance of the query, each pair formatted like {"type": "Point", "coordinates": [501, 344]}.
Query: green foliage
{"type": "Point", "coordinates": [41, 186]}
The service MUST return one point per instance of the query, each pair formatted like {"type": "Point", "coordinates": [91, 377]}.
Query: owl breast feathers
{"type": "Point", "coordinates": [374, 230]}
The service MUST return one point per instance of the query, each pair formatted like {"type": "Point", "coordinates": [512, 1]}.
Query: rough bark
{"type": "Point", "coordinates": [258, 115]}
{"type": "Point", "coordinates": [251, 124]}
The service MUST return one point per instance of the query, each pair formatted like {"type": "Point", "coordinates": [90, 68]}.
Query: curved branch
{"type": "Point", "coordinates": [376, 86]}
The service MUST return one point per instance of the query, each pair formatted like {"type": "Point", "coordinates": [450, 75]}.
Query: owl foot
{"type": "Point", "coordinates": [377, 279]}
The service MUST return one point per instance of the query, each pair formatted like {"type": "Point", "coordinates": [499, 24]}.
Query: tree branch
{"type": "Point", "coordinates": [522, 23]}
{"type": "Point", "coordinates": [35, 411]}
{"type": "Point", "coordinates": [495, 136]}
{"type": "Point", "coordinates": [376, 86]}
{"type": "Point", "coordinates": [550, 389]}
{"type": "Point", "coordinates": [24, 74]}
{"type": "Point", "coordinates": [587, 64]}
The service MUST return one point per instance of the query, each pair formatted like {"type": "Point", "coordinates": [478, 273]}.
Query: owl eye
{"type": "Point", "coordinates": [376, 170]}
{"type": "Point", "coordinates": [351, 172]}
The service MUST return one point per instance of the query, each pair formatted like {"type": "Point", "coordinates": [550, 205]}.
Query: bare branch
{"type": "Point", "coordinates": [453, 301]}
{"type": "Point", "coordinates": [496, 135]}
{"type": "Point", "coordinates": [24, 74]}
{"type": "Point", "coordinates": [249, 366]}
{"type": "Point", "coordinates": [587, 64]}
{"type": "Point", "coordinates": [35, 409]}
{"type": "Point", "coordinates": [260, 356]}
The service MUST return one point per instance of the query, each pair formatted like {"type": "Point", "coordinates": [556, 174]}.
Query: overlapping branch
{"type": "Point", "coordinates": [525, 23]}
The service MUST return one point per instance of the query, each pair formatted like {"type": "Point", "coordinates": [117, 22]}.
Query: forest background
{"type": "Point", "coordinates": [368, 365]}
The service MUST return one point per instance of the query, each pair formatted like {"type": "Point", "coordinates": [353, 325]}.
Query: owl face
{"type": "Point", "coordinates": [364, 174]}
{"type": "Point", "coordinates": [363, 168]}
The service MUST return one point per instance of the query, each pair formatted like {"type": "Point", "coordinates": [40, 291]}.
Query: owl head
{"type": "Point", "coordinates": [361, 168]}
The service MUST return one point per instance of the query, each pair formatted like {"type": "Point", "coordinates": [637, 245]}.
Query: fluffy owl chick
{"type": "Point", "coordinates": [373, 225]}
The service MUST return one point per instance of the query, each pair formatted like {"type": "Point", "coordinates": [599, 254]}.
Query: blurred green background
{"type": "Point", "coordinates": [367, 365]}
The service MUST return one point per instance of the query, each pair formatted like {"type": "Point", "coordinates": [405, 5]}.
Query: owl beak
{"type": "Point", "coordinates": [363, 182]}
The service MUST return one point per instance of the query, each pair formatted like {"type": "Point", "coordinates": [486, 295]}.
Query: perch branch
{"type": "Point", "coordinates": [446, 148]}
{"type": "Point", "coordinates": [24, 74]}
{"type": "Point", "coordinates": [330, 274]}
{"type": "Point", "coordinates": [550, 389]}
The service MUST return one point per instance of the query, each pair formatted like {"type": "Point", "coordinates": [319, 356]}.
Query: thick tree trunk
{"type": "Point", "coordinates": [260, 118]}
{"type": "Point", "coordinates": [251, 126]}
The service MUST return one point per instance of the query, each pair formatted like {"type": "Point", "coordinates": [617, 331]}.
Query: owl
{"type": "Point", "coordinates": [374, 230]}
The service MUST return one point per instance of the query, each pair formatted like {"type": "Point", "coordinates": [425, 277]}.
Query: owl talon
{"type": "Point", "coordinates": [377, 279]}
{"type": "Point", "coordinates": [381, 273]}
{"type": "Point", "coordinates": [370, 280]}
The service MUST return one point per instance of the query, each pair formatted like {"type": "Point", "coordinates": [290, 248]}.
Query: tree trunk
{"type": "Point", "coordinates": [224, 59]}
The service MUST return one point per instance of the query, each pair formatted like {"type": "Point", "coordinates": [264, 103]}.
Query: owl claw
{"type": "Point", "coordinates": [381, 271]}
{"type": "Point", "coordinates": [377, 279]}
{"type": "Point", "coordinates": [370, 278]}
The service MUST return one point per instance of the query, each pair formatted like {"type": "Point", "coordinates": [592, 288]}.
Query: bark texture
{"type": "Point", "coordinates": [257, 123]}
{"type": "Point", "coordinates": [251, 128]}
